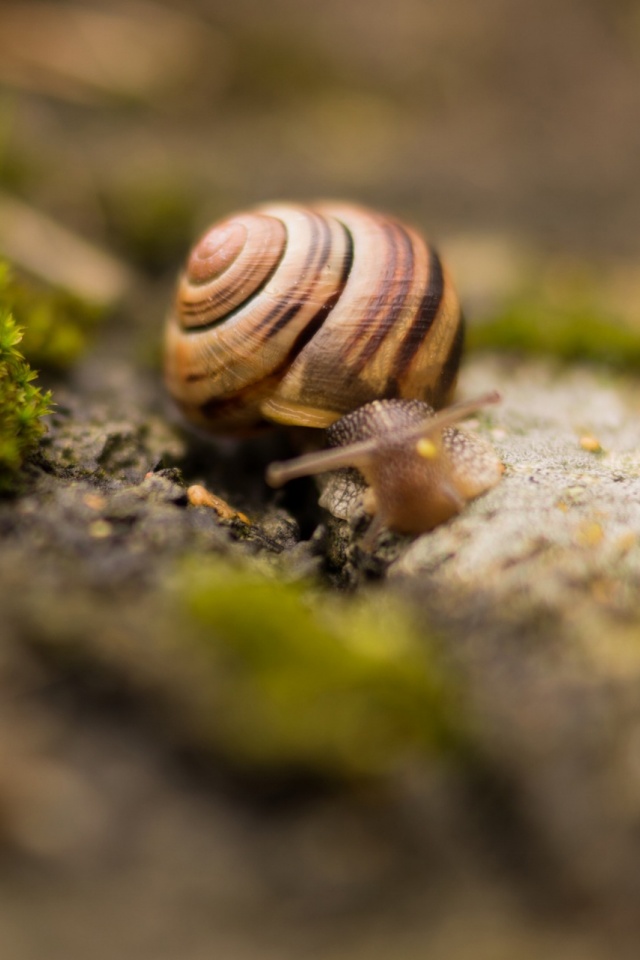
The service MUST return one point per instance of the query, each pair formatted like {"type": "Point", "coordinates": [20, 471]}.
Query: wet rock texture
{"type": "Point", "coordinates": [114, 804]}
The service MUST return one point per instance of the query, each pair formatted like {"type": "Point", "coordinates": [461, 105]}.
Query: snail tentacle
{"type": "Point", "coordinates": [359, 453]}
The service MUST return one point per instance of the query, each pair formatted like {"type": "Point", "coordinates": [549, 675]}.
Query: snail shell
{"type": "Point", "coordinates": [298, 315]}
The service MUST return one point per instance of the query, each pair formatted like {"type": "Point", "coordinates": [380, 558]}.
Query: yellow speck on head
{"type": "Point", "coordinates": [426, 448]}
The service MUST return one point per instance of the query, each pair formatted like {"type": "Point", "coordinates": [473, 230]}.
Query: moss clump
{"type": "Point", "coordinates": [56, 324]}
{"type": "Point", "coordinates": [570, 335]}
{"type": "Point", "coordinates": [561, 317]}
{"type": "Point", "coordinates": [22, 404]}
{"type": "Point", "coordinates": [152, 221]}
{"type": "Point", "coordinates": [310, 682]}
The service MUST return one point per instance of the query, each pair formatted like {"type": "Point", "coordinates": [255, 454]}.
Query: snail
{"type": "Point", "coordinates": [308, 315]}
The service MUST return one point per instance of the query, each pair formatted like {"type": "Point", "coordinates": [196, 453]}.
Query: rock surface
{"type": "Point", "coordinates": [116, 816]}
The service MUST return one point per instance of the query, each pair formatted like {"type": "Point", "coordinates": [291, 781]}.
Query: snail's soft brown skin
{"type": "Point", "coordinates": [302, 315]}
{"type": "Point", "coordinates": [420, 470]}
{"type": "Point", "coordinates": [299, 315]}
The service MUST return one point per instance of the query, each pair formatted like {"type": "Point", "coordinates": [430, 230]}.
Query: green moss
{"type": "Point", "coordinates": [17, 166]}
{"type": "Point", "coordinates": [152, 221]}
{"type": "Point", "coordinates": [22, 404]}
{"type": "Point", "coordinates": [565, 320]}
{"type": "Point", "coordinates": [57, 325]}
{"type": "Point", "coordinates": [312, 682]}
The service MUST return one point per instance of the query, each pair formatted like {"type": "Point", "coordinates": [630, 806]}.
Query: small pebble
{"type": "Point", "coordinates": [199, 496]}
{"type": "Point", "coordinates": [590, 443]}
{"type": "Point", "coordinates": [94, 501]}
{"type": "Point", "coordinates": [100, 529]}
{"type": "Point", "coordinates": [590, 534]}
{"type": "Point", "coordinates": [627, 541]}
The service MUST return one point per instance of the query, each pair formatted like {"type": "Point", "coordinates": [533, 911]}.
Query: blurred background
{"type": "Point", "coordinates": [134, 124]}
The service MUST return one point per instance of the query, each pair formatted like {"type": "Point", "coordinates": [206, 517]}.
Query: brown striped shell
{"type": "Point", "coordinates": [299, 315]}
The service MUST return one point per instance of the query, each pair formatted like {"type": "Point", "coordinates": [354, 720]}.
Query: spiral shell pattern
{"type": "Point", "coordinates": [300, 314]}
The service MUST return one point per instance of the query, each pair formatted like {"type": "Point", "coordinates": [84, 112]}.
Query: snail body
{"type": "Point", "coordinates": [418, 468]}
{"type": "Point", "coordinates": [298, 315]}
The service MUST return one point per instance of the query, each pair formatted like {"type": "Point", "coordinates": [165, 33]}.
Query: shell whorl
{"type": "Point", "coordinates": [300, 314]}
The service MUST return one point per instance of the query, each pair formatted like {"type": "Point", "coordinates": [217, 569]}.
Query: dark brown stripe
{"type": "Point", "coordinates": [451, 365]}
{"type": "Point", "coordinates": [277, 320]}
{"type": "Point", "coordinates": [204, 306]}
{"type": "Point", "coordinates": [214, 300]}
{"type": "Point", "coordinates": [375, 337]}
{"type": "Point", "coordinates": [426, 314]}
{"type": "Point", "coordinates": [316, 321]}
{"type": "Point", "coordinates": [284, 308]}
{"type": "Point", "coordinates": [361, 329]}
{"type": "Point", "coordinates": [221, 408]}
{"type": "Point", "coordinates": [313, 325]}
